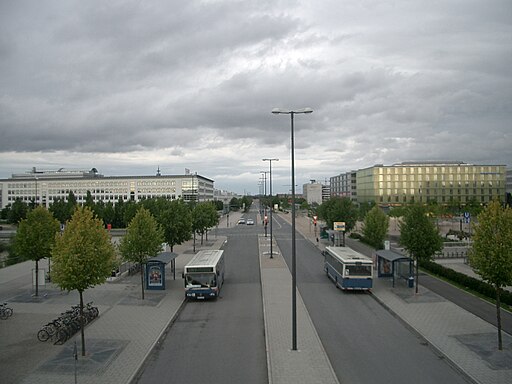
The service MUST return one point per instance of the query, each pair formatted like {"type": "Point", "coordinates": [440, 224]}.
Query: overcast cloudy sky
{"type": "Point", "coordinates": [129, 86]}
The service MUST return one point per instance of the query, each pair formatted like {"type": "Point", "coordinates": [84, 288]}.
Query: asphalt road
{"type": "Point", "coordinates": [223, 340]}
{"type": "Point", "coordinates": [364, 342]}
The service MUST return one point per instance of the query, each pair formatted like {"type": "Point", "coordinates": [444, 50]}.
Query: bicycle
{"type": "Point", "coordinates": [5, 311]}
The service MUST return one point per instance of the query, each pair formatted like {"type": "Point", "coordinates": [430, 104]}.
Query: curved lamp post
{"type": "Point", "coordinates": [293, 112]}
{"type": "Point", "coordinates": [270, 184]}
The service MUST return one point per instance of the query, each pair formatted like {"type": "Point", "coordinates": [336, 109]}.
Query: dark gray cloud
{"type": "Point", "coordinates": [127, 86]}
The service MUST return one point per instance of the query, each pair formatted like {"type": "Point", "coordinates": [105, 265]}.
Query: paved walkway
{"type": "Point", "coordinates": [467, 341]}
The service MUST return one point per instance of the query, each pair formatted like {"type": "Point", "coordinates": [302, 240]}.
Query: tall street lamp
{"type": "Point", "coordinates": [264, 209]}
{"type": "Point", "coordinates": [292, 112]}
{"type": "Point", "coordinates": [270, 184]}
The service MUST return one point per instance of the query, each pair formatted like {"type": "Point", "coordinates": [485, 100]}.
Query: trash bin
{"type": "Point", "coordinates": [411, 281]}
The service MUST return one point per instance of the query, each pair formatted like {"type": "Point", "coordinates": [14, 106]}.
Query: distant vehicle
{"type": "Point", "coordinates": [348, 269]}
{"type": "Point", "coordinates": [250, 222]}
{"type": "Point", "coordinates": [241, 221]}
{"type": "Point", "coordinates": [204, 274]}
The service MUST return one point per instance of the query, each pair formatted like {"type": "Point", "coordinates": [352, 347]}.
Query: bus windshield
{"type": "Point", "coordinates": [204, 280]}
{"type": "Point", "coordinates": [358, 270]}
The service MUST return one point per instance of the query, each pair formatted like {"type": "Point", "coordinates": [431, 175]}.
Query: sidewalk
{"type": "Point", "coordinates": [467, 341]}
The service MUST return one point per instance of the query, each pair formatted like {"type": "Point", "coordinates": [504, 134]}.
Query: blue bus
{"type": "Point", "coordinates": [348, 269]}
{"type": "Point", "coordinates": [204, 275]}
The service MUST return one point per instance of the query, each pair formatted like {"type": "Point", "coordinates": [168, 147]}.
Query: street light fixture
{"type": "Point", "coordinates": [265, 194]}
{"type": "Point", "coordinates": [270, 184]}
{"type": "Point", "coordinates": [293, 112]}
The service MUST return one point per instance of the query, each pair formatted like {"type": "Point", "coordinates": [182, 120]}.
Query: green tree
{"type": "Point", "coordinates": [396, 211]}
{"type": "Point", "coordinates": [129, 211]}
{"type": "Point", "coordinates": [108, 213]}
{"type": "Point", "coordinates": [82, 257]}
{"type": "Point", "coordinates": [35, 237]}
{"type": "Point", "coordinates": [364, 209]}
{"type": "Point", "coordinates": [204, 217]}
{"type": "Point", "coordinates": [119, 214]}
{"type": "Point", "coordinates": [156, 205]}
{"type": "Point", "coordinates": [419, 236]}
{"type": "Point", "coordinates": [18, 212]}
{"type": "Point", "coordinates": [338, 209]}
{"type": "Point", "coordinates": [245, 203]}
{"type": "Point", "coordinates": [234, 204]}
{"type": "Point", "coordinates": [89, 201]}
{"type": "Point", "coordinates": [473, 207]}
{"type": "Point", "coordinates": [71, 203]}
{"type": "Point", "coordinates": [219, 205]}
{"type": "Point", "coordinates": [491, 253]}
{"type": "Point", "coordinates": [60, 210]}
{"type": "Point", "coordinates": [375, 227]}
{"type": "Point", "coordinates": [176, 222]}
{"type": "Point", "coordinates": [143, 240]}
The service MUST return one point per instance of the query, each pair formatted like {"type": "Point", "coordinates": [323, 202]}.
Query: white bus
{"type": "Point", "coordinates": [204, 275]}
{"type": "Point", "coordinates": [348, 269]}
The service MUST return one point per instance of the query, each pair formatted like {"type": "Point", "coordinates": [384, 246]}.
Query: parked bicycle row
{"type": "Point", "coordinates": [5, 311]}
{"type": "Point", "coordinates": [67, 324]}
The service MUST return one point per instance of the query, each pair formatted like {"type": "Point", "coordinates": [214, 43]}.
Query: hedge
{"type": "Point", "coordinates": [469, 282]}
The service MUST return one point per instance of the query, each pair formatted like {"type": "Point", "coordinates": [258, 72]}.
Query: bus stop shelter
{"type": "Point", "coordinates": [155, 269]}
{"type": "Point", "coordinates": [392, 264]}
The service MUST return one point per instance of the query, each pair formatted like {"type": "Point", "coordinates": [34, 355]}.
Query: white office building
{"type": "Point", "coordinates": [313, 193]}
{"type": "Point", "coordinates": [44, 187]}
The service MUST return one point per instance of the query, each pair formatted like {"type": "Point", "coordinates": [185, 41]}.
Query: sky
{"type": "Point", "coordinates": [128, 87]}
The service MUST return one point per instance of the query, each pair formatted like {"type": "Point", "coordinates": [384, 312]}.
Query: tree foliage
{"type": "Point", "coordinates": [375, 227]}
{"type": "Point", "coordinates": [419, 235]}
{"type": "Point", "coordinates": [338, 209]}
{"type": "Point", "coordinates": [142, 241]}
{"type": "Point", "coordinates": [35, 237]}
{"type": "Point", "coordinates": [204, 217]}
{"type": "Point", "coordinates": [60, 210]}
{"type": "Point", "coordinates": [491, 253]}
{"type": "Point", "coordinates": [17, 212]}
{"type": "Point", "coordinates": [176, 222]}
{"type": "Point", "coordinates": [83, 256]}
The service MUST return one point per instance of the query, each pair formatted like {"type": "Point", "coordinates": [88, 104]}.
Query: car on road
{"type": "Point", "coordinates": [241, 221]}
{"type": "Point", "coordinates": [250, 222]}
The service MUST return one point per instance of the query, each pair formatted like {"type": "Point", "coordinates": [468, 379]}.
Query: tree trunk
{"type": "Point", "coordinates": [82, 332]}
{"type": "Point", "coordinates": [142, 279]}
{"type": "Point", "coordinates": [498, 317]}
{"type": "Point", "coordinates": [417, 274]}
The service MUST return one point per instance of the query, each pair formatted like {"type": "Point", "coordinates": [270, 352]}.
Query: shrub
{"type": "Point", "coordinates": [464, 280]}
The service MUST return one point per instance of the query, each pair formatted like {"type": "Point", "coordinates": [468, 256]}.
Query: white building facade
{"type": "Point", "coordinates": [44, 187]}
{"type": "Point", "coordinates": [312, 193]}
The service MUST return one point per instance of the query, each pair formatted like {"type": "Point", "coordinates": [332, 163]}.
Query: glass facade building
{"type": "Point", "coordinates": [443, 182]}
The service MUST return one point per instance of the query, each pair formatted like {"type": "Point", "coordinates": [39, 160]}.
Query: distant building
{"type": "Point", "coordinates": [44, 187]}
{"type": "Point", "coordinates": [225, 197]}
{"type": "Point", "coordinates": [326, 192]}
{"type": "Point", "coordinates": [344, 185]}
{"type": "Point", "coordinates": [444, 182]}
{"type": "Point", "coordinates": [312, 192]}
